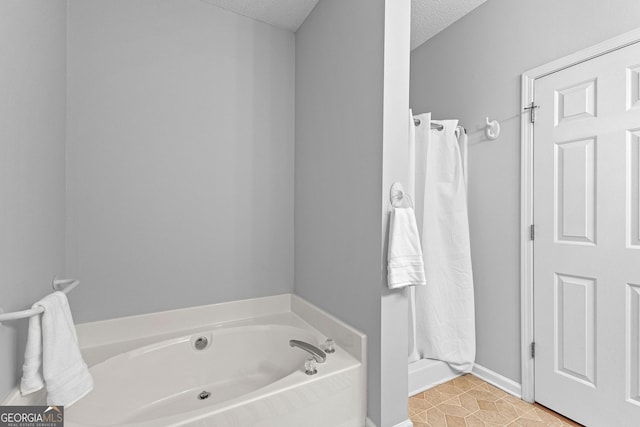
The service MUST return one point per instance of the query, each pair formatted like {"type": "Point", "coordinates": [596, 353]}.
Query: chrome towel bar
{"type": "Point", "coordinates": [63, 285]}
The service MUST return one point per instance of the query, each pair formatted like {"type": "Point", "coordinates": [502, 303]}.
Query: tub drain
{"type": "Point", "coordinates": [204, 395]}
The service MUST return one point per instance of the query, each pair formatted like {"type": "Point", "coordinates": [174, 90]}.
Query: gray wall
{"type": "Point", "coordinates": [32, 135]}
{"type": "Point", "coordinates": [472, 70]}
{"type": "Point", "coordinates": [352, 97]}
{"type": "Point", "coordinates": [180, 156]}
{"type": "Point", "coordinates": [338, 176]}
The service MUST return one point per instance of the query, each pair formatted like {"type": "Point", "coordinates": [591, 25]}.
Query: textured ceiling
{"type": "Point", "coordinates": [428, 17]}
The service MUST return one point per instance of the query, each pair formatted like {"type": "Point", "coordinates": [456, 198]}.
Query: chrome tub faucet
{"type": "Point", "coordinates": [317, 355]}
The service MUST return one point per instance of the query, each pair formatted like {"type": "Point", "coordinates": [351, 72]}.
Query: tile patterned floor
{"type": "Point", "coordinates": [467, 401]}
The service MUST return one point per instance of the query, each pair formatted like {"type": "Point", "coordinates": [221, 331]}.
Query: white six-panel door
{"type": "Point", "coordinates": [587, 246]}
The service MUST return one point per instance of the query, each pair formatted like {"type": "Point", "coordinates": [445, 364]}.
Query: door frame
{"type": "Point", "coordinates": [526, 193]}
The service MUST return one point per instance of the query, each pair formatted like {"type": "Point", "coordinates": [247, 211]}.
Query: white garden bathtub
{"type": "Point", "coordinates": [251, 375]}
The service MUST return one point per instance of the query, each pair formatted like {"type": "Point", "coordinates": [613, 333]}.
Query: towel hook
{"type": "Point", "coordinates": [397, 196]}
{"type": "Point", "coordinates": [492, 129]}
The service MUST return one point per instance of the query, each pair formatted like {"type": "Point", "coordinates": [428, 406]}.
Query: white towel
{"type": "Point", "coordinates": [406, 267]}
{"type": "Point", "coordinates": [52, 349]}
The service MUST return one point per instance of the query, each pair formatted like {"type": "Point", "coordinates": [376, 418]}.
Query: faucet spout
{"type": "Point", "coordinates": [314, 351]}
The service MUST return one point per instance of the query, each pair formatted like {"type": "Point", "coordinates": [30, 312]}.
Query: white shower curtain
{"type": "Point", "coordinates": [444, 326]}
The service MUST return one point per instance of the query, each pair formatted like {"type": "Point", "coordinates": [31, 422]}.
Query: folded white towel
{"type": "Point", "coordinates": [405, 264]}
{"type": "Point", "coordinates": [52, 349]}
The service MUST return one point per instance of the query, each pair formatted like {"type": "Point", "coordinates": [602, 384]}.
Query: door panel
{"type": "Point", "coordinates": [586, 252]}
{"type": "Point", "coordinates": [575, 102]}
{"type": "Point", "coordinates": [575, 323]}
{"type": "Point", "coordinates": [633, 342]}
{"type": "Point", "coordinates": [575, 190]}
{"type": "Point", "coordinates": [633, 184]}
{"type": "Point", "coordinates": [633, 87]}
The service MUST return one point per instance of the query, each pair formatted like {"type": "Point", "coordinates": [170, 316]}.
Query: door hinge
{"type": "Point", "coordinates": [533, 350]}
{"type": "Point", "coordinates": [532, 232]}
{"type": "Point", "coordinates": [532, 111]}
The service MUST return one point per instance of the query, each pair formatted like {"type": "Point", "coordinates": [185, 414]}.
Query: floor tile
{"type": "Point", "coordinates": [420, 417]}
{"type": "Point", "coordinates": [435, 396]}
{"type": "Point", "coordinates": [415, 411]}
{"type": "Point", "coordinates": [467, 401]}
{"type": "Point", "coordinates": [487, 405]}
{"type": "Point", "coordinates": [453, 421]}
{"type": "Point", "coordinates": [419, 404]}
{"type": "Point", "coordinates": [436, 418]}
{"type": "Point", "coordinates": [452, 409]}
{"type": "Point", "coordinates": [481, 393]}
{"type": "Point", "coordinates": [520, 406]}
{"type": "Point", "coordinates": [464, 382]}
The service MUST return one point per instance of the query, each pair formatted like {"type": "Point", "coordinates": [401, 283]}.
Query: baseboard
{"type": "Point", "coordinates": [407, 423]}
{"type": "Point", "coordinates": [497, 380]}
{"type": "Point", "coordinates": [428, 373]}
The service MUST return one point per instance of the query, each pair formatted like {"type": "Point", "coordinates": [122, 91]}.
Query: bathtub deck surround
{"type": "Point", "coordinates": [231, 363]}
